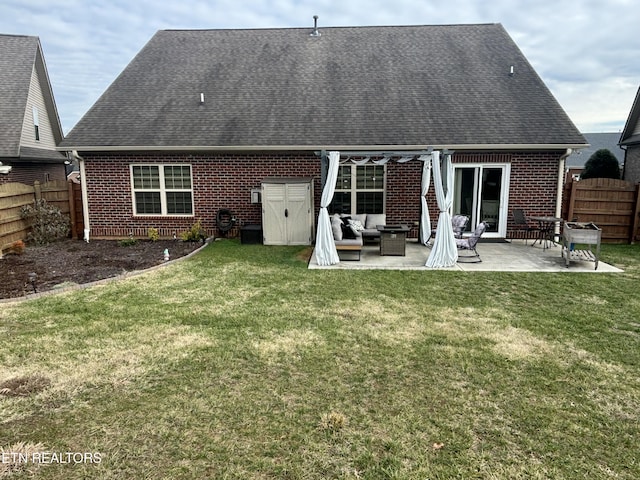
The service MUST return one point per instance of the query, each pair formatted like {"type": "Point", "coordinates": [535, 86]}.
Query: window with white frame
{"type": "Point", "coordinates": [162, 189]}
{"type": "Point", "coordinates": [359, 189]}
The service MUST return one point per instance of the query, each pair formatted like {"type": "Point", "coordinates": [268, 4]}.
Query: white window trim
{"type": "Point", "coordinates": [163, 191]}
{"type": "Point", "coordinates": [354, 190]}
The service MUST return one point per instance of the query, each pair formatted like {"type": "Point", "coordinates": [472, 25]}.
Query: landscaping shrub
{"type": "Point", "coordinates": [127, 242]}
{"type": "Point", "coordinates": [153, 234]}
{"type": "Point", "coordinates": [195, 234]}
{"type": "Point", "coordinates": [48, 223]}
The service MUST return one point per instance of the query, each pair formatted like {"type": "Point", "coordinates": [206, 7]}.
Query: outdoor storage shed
{"type": "Point", "coordinates": [287, 211]}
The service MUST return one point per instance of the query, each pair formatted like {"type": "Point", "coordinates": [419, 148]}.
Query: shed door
{"type": "Point", "coordinates": [298, 210]}
{"type": "Point", "coordinates": [287, 218]}
{"type": "Point", "coordinates": [273, 219]}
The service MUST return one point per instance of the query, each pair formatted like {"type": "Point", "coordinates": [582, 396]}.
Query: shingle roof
{"type": "Point", "coordinates": [630, 134]}
{"type": "Point", "coordinates": [19, 54]}
{"type": "Point", "coordinates": [597, 141]}
{"type": "Point", "coordinates": [351, 86]}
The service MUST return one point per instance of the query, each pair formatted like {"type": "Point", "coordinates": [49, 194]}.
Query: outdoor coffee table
{"type": "Point", "coordinates": [393, 239]}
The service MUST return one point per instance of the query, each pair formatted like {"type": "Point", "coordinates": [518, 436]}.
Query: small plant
{"type": "Point", "coordinates": [333, 421]}
{"type": "Point", "coordinates": [17, 247]}
{"type": "Point", "coordinates": [48, 223]}
{"type": "Point", "coordinates": [195, 234]}
{"type": "Point", "coordinates": [153, 234]}
{"type": "Point", "coordinates": [127, 242]}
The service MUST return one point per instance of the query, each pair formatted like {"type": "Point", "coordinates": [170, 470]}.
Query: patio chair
{"type": "Point", "coordinates": [521, 224]}
{"type": "Point", "coordinates": [469, 244]}
{"type": "Point", "coordinates": [458, 222]}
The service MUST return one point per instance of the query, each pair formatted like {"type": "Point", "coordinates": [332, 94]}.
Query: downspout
{"type": "Point", "coordinates": [561, 175]}
{"type": "Point", "coordinates": [85, 199]}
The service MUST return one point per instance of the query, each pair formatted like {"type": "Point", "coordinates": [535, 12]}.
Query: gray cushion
{"type": "Point", "coordinates": [374, 219]}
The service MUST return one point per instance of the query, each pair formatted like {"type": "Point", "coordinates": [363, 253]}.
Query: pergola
{"type": "Point", "coordinates": [444, 252]}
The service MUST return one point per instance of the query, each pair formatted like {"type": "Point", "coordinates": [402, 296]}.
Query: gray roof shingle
{"type": "Point", "coordinates": [630, 135]}
{"type": "Point", "coordinates": [17, 56]}
{"type": "Point", "coordinates": [351, 86]}
{"type": "Point", "coordinates": [597, 141]}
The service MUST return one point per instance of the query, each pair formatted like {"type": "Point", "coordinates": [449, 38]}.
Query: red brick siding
{"type": "Point", "coordinates": [534, 182]}
{"type": "Point", "coordinates": [534, 177]}
{"type": "Point", "coordinates": [403, 194]}
{"type": "Point", "coordinates": [219, 181]}
{"type": "Point", "coordinates": [226, 181]}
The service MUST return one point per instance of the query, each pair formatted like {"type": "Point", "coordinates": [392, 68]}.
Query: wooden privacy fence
{"type": "Point", "coordinates": [15, 196]}
{"type": "Point", "coordinates": [613, 205]}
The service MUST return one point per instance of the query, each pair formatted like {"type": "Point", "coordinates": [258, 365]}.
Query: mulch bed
{"type": "Point", "coordinates": [72, 262]}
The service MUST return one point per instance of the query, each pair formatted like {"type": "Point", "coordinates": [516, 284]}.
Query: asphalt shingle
{"type": "Point", "coordinates": [351, 86]}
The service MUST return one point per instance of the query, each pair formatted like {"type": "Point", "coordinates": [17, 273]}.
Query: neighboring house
{"type": "Point", "coordinates": [199, 119]}
{"type": "Point", "coordinates": [597, 141]}
{"type": "Point", "coordinates": [30, 128]}
{"type": "Point", "coordinates": [630, 143]}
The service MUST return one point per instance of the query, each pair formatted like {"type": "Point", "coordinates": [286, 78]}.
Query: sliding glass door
{"type": "Point", "coordinates": [481, 191]}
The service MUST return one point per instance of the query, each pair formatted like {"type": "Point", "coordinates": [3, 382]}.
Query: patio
{"type": "Point", "coordinates": [496, 257]}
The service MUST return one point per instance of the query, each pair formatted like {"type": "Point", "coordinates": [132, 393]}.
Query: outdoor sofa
{"type": "Point", "coordinates": [351, 231]}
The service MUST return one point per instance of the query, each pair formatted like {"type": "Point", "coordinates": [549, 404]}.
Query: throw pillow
{"type": "Point", "coordinates": [336, 228]}
{"type": "Point", "coordinates": [356, 225]}
{"type": "Point", "coordinates": [347, 232]}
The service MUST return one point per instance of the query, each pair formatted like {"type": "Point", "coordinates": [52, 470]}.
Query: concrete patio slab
{"type": "Point", "coordinates": [496, 257]}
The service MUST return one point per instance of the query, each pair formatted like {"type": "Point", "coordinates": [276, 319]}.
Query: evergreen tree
{"type": "Point", "coordinates": [602, 164]}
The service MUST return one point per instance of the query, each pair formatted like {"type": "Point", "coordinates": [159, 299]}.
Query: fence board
{"type": "Point", "coordinates": [15, 196]}
{"type": "Point", "coordinates": [609, 203]}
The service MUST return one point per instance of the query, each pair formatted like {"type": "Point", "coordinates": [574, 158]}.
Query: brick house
{"type": "Point", "coordinates": [199, 119]}
{"type": "Point", "coordinates": [630, 143]}
{"type": "Point", "coordinates": [30, 128]}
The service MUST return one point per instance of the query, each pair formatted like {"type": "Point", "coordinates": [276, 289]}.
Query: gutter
{"type": "Point", "coordinates": [561, 175]}
{"type": "Point", "coordinates": [346, 148]}
{"type": "Point", "coordinates": [85, 198]}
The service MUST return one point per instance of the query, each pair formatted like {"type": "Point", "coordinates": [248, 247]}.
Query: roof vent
{"type": "Point", "coordinates": [511, 71]}
{"type": "Point", "coordinates": [315, 32]}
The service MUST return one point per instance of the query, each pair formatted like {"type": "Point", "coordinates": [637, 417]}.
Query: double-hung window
{"type": "Point", "coordinates": [162, 189]}
{"type": "Point", "coordinates": [359, 189]}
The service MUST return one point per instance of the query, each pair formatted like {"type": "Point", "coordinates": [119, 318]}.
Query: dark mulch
{"type": "Point", "coordinates": [75, 262]}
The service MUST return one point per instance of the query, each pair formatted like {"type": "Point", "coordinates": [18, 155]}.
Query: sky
{"type": "Point", "coordinates": [586, 51]}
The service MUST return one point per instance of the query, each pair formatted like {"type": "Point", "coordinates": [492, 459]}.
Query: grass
{"type": "Point", "coordinates": [241, 363]}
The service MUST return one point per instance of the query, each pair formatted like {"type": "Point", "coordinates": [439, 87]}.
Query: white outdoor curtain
{"type": "Point", "coordinates": [444, 252]}
{"type": "Point", "coordinates": [326, 253]}
{"type": "Point", "coordinates": [425, 220]}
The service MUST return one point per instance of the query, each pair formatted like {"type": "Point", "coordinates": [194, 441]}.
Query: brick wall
{"type": "Point", "coordinates": [30, 172]}
{"type": "Point", "coordinates": [534, 182]}
{"type": "Point", "coordinates": [226, 181]}
{"type": "Point", "coordinates": [219, 181]}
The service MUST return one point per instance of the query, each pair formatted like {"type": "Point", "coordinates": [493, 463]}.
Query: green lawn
{"type": "Point", "coordinates": [241, 363]}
